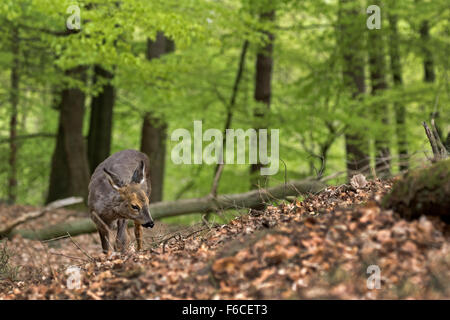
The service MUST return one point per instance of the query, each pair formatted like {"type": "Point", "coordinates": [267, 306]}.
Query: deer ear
{"type": "Point", "coordinates": [113, 179]}
{"type": "Point", "coordinates": [139, 173]}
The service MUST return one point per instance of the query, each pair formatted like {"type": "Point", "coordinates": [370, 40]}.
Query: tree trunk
{"type": "Point", "coordinates": [100, 128]}
{"type": "Point", "coordinates": [263, 92]}
{"type": "Point", "coordinates": [161, 45]}
{"type": "Point", "coordinates": [14, 99]}
{"type": "Point", "coordinates": [377, 66]}
{"type": "Point", "coordinates": [251, 199]}
{"type": "Point", "coordinates": [351, 46]}
{"type": "Point", "coordinates": [428, 61]}
{"type": "Point", "coordinates": [70, 170]}
{"type": "Point", "coordinates": [154, 129]}
{"type": "Point", "coordinates": [400, 110]}
{"type": "Point", "coordinates": [153, 143]}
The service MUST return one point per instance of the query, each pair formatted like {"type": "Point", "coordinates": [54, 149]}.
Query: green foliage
{"type": "Point", "coordinates": [310, 103]}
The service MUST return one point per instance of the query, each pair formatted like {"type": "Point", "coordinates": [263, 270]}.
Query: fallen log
{"type": "Point", "coordinates": [422, 192]}
{"type": "Point", "coordinates": [5, 230]}
{"type": "Point", "coordinates": [251, 199]}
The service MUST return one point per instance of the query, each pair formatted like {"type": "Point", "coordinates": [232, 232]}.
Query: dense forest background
{"type": "Point", "coordinates": [346, 98]}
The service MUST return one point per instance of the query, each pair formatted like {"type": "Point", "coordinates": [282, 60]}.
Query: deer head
{"type": "Point", "coordinates": [134, 202]}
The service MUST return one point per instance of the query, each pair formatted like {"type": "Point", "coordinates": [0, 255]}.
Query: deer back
{"type": "Point", "coordinates": [102, 197]}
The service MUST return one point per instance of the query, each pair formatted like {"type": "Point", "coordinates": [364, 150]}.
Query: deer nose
{"type": "Point", "coordinates": [148, 224]}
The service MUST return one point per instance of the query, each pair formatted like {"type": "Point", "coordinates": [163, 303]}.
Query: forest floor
{"type": "Point", "coordinates": [319, 248]}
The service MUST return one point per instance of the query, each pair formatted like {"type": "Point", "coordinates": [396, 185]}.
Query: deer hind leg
{"type": "Point", "coordinates": [138, 235]}
{"type": "Point", "coordinates": [103, 231]}
{"type": "Point", "coordinates": [122, 237]}
{"type": "Point", "coordinates": [104, 238]}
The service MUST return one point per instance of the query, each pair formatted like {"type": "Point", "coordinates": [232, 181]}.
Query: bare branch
{"type": "Point", "coordinates": [440, 145]}
{"type": "Point", "coordinates": [78, 246]}
{"type": "Point", "coordinates": [29, 136]}
{"type": "Point", "coordinates": [215, 184]}
{"type": "Point", "coordinates": [439, 151]}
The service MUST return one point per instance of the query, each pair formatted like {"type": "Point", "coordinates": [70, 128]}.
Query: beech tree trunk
{"type": "Point", "coordinates": [263, 92]}
{"type": "Point", "coordinates": [100, 128]}
{"type": "Point", "coordinates": [70, 170]}
{"type": "Point", "coordinates": [351, 46]}
{"type": "Point", "coordinates": [377, 66]}
{"type": "Point", "coordinates": [428, 61]}
{"type": "Point", "coordinates": [154, 129]}
{"type": "Point", "coordinates": [400, 110]}
{"type": "Point", "coordinates": [153, 143]}
{"type": "Point", "coordinates": [14, 100]}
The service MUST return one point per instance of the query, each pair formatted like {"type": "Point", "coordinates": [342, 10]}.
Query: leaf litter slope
{"type": "Point", "coordinates": [315, 249]}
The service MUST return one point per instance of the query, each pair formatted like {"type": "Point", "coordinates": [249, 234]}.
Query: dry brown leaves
{"type": "Point", "coordinates": [317, 248]}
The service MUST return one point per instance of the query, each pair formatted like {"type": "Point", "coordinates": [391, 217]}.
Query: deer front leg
{"type": "Point", "coordinates": [138, 235]}
{"type": "Point", "coordinates": [122, 237]}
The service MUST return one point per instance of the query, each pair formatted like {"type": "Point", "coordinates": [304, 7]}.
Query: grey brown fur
{"type": "Point", "coordinates": [110, 199]}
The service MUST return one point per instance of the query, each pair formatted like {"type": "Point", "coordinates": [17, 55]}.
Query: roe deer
{"type": "Point", "coordinates": [119, 190]}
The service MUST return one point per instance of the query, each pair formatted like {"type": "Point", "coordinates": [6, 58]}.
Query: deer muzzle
{"type": "Point", "coordinates": [148, 224]}
{"type": "Point", "coordinates": [148, 218]}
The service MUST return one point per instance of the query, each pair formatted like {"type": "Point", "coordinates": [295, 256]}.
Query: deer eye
{"type": "Point", "coordinates": [135, 207]}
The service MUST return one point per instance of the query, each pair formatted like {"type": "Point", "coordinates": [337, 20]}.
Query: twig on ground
{"type": "Point", "coordinates": [54, 239]}
{"type": "Point", "coordinates": [55, 276]}
{"type": "Point", "coordinates": [81, 249]}
{"type": "Point", "coordinates": [167, 239]}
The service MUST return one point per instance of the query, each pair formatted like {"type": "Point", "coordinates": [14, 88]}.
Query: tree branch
{"type": "Point", "coordinates": [439, 151]}
{"type": "Point", "coordinates": [29, 136]}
